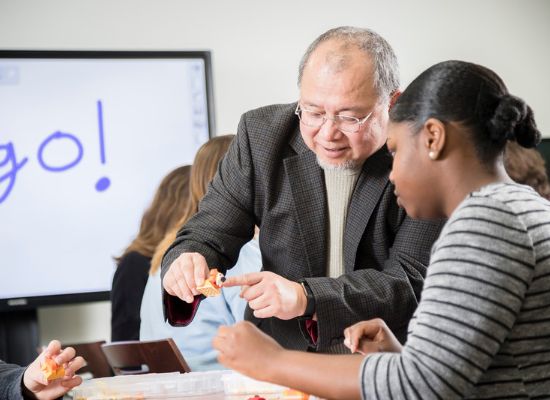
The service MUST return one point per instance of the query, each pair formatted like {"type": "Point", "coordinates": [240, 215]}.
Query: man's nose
{"type": "Point", "coordinates": [330, 131]}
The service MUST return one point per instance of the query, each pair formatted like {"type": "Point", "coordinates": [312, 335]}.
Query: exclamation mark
{"type": "Point", "coordinates": [104, 182]}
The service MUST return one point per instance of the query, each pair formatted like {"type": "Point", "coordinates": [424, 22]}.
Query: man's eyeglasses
{"type": "Point", "coordinates": [344, 123]}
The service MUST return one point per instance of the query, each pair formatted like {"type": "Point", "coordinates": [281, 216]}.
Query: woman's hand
{"type": "Point", "coordinates": [371, 336]}
{"type": "Point", "coordinates": [244, 348]}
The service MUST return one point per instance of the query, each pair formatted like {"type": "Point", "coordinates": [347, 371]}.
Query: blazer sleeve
{"type": "Point", "coordinates": [223, 225]}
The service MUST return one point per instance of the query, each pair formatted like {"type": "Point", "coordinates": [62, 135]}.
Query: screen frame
{"type": "Point", "coordinates": [33, 302]}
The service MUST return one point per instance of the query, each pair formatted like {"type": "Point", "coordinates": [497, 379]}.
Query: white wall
{"type": "Point", "coordinates": [256, 49]}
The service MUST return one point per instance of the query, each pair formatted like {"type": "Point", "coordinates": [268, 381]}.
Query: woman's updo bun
{"type": "Point", "coordinates": [513, 120]}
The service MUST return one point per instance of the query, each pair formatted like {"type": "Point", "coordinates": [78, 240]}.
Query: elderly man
{"type": "Point", "coordinates": [313, 175]}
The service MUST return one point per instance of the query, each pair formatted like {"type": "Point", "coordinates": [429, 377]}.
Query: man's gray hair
{"type": "Point", "coordinates": [386, 68]}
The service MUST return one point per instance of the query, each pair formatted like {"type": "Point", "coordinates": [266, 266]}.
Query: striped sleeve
{"type": "Point", "coordinates": [480, 269]}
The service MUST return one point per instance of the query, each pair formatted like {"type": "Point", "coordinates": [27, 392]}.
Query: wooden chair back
{"type": "Point", "coordinates": [96, 362]}
{"type": "Point", "coordinates": [136, 357]}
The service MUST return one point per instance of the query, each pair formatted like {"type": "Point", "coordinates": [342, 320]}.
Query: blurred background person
{"type": "Point", "coordinates": [195, 339]}
{"type": "Point", "coordinates": [133, 265]}
{"type": "Point", "coordinates": [526, 166]}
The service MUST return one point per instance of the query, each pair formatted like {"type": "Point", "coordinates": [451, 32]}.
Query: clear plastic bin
{"type": "Point", "coordinates": [211, 385]}
{"type": "Point", "coordinates": [240, 387]}
{"type": "Point", "coordinates": [154, 386]}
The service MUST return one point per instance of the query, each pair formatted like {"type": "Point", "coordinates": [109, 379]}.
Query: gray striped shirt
{"type": "Point", "coordinates": [482, 328]}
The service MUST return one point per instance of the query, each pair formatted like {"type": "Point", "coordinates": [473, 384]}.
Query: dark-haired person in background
{"type": "Point", "coordinates": [313, 175]}
{"type": "Point", "coordinates": [481, 329]}
{"type": "Point", "coordinates": [18, 383]}
{"type": "Point", "coordinates": [527, 166]}
{"type": "Point", "coordinates": [133, 265]}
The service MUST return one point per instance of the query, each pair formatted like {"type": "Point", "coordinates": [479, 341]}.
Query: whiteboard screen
{"type": "Point", "coordinates": [85, 139]}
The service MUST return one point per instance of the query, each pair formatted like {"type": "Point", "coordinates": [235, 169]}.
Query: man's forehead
{"type": "Point", "coordinates": [339, 48]}
{"type": "Point", "coordinates": [338, 91]}
{"type": "Point", "coordinates": [335, 59]}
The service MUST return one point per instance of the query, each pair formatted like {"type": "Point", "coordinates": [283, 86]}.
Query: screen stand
{"type": "Point", "coordinates": [18, 336]}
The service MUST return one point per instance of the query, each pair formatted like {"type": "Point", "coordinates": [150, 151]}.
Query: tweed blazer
{"type": "Point", "coordinates": [270, 178]}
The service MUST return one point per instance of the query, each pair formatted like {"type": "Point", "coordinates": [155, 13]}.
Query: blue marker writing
{"type": "Point", "coordinates": [12, 173]}
{"type": "Point", "coordinates": [14, 166]}
{"type": "Point", "coordinates": [104, 182]}
{"type": "Point", "coordinates": [60, 136]}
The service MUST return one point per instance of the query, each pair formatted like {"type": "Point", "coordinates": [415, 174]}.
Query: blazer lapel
{"type": "Point", "coordinates": [307, 185]}
{"type": "Point", "coordinates": [366, 195]}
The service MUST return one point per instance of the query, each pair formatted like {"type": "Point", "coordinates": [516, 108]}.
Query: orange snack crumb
{"type": "Point", "coordinates": [52, 370]}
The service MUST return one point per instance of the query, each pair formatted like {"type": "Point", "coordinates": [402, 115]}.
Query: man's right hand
{"type": "Point", "coordinates": [187, 272]}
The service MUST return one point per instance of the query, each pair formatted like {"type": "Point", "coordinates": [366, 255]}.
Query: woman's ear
{"type": "Point", "coordinates": [434, 137]}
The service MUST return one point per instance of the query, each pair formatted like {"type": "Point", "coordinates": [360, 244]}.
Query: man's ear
{"type": "Point", "coordinates": [393, 98]}
{"type": "Point", "coordinates": [435, 134]}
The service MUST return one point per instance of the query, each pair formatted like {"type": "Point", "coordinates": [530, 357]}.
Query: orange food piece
{"type": "Point", "coordinates": [212, 277]}
{"type": "Point", "coordinates": [295, 394]}
{"type": "Point", "coordinates": [210, 287]}
{"type": "Point", "coordinates": [52, 370]}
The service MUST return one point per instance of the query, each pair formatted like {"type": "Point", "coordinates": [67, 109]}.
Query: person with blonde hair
{"type": "Point", "coordinates": [134, 263]}
{"type": "Point", "coordinates": [194, 339]}
{"type": "Point", "coordinates": [203, 170]}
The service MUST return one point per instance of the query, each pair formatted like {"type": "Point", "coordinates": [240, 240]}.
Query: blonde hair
{"type": "Point", "coordinates": [203, 170]}
{"type": "Point", "coordinates": [166, 208]}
